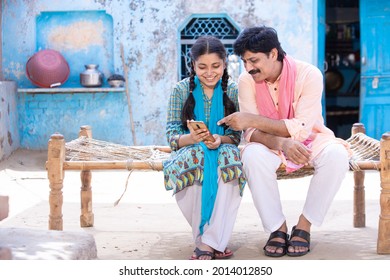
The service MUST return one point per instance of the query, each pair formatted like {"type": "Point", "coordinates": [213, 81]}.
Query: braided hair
{"type": "Point", "coordinates": [206, 45]}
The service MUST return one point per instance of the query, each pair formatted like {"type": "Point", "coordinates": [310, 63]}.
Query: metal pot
{"type": "Point", "coordinates": [334, 80]}
{"type": "Point", "coordinates": [91, 76]}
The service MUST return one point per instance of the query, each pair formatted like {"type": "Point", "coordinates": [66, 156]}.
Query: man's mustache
{"type": "Point", "coordinates": [254, 71]}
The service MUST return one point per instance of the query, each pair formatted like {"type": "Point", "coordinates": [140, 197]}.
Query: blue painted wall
{"type": "Point", "coordinates": [148, 32]}
{"type": "Point", "coordinates": [9, 133]}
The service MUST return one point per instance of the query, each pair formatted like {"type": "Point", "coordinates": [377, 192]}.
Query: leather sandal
{"type": "Point", "coordinates": [198, 252]}
{"type": "Point", "coordinates": [277, 244]}
{"type": "Point", "coordinates": [294, 243]}
{"type": "Point", "coordinates": [223, 255]}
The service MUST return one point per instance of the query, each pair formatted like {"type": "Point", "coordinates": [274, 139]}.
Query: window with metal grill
{"type": "Point", "coordinates": [220, 26]}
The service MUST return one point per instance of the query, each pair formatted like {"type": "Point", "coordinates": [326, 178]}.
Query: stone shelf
{"type": "Point", "coordinates": [70, 90]}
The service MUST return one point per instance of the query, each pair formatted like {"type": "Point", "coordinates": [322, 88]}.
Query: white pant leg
{"type": "Point", "coordinates": [217, 233]}
{"type": "Point", "coordinates": [330, 166]}
{"type": "Point", "coordinates": [260, 165]}
{"type": "Point", "coordinates": [189, 201]}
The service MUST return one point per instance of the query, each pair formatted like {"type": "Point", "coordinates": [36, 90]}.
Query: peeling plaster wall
{"type": "Point", "coordinates": [69, 37]}
{"type": "Point", "coordinates": [82, 37]}
{"type": "Point", "coordinates": [148, 33]}
{"type": "Point", "coordinates": [9, 134]}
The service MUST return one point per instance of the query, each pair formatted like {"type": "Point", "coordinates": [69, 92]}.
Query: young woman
{"type": "Point", "coordinates": [205, 175]}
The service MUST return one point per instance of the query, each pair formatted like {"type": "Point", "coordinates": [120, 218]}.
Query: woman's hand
{"type": "Point", "coordinates": [198, 135]}
{"type": "Point", "coordinates": [214, 145]}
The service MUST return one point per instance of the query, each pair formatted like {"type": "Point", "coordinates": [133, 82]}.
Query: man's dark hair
{"type": "Point", "coordinates": [258, 39]}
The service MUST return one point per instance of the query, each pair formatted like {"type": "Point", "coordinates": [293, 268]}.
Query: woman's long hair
{"type": "Point", "coordinates": [206, 45]}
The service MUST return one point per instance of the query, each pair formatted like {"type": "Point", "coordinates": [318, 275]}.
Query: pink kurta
{"type": "Point", "coordinates": [307, 107]}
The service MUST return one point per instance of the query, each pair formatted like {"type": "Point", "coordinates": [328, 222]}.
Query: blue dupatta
{"type": "Point", "coordinates": [210, 170]}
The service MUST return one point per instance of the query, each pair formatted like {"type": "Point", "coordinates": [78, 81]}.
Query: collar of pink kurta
{"type": "Point", "coordinates": [264, 100]}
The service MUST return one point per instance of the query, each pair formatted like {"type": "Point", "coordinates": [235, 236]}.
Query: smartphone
{"type": "Point", "coordinates": [199, 125]}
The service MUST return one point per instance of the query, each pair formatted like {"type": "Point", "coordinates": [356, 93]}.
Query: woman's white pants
{"type": "Point", "coordinates": [260, 165]}
{"type": "Point", "coordinates": [217, 233]}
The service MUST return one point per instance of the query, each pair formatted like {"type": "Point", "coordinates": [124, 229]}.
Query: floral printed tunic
{"type": "Point", "coordinates": [185, 165]}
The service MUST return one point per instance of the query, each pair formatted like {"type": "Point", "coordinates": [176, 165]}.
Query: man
{"type": "Point", "coordinates": [281, 114]}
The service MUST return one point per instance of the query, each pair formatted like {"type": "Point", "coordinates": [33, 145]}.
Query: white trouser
{"type": "Point", "coordinates": [217, 233]}
{"type": "Point", "coordinates": [260, 165]}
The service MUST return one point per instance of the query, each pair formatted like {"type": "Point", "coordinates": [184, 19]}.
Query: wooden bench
{"type": "Point", "coordinates": [87, 154]}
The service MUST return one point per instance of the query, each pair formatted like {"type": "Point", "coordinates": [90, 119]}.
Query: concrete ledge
{"type": "Point", "coordinates": [4, 207]}
{"type": "Point", "coordinates": [32, 244]}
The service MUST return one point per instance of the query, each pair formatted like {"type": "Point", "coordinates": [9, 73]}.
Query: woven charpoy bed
{"type": "Point", "coordinates": [87, 154]}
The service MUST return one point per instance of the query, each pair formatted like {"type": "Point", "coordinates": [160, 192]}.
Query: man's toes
{"type": "Point", "coordinates": [296, 249]}
{"type": "Point", "coordinates": [272, 249]}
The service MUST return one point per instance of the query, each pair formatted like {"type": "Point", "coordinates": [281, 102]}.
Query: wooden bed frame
{"type": "Point", "coordinates": [57, 164]}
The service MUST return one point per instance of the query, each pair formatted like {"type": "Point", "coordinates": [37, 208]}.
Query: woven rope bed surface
{"type": "Point", "coordinates": [88, 149]}
{"type": "Point", "coordinates": [364, 148]}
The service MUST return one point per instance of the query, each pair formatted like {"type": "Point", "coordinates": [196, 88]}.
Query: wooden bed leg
{"type": "Point", "coordinates": [85, 130]}
{"type": "Point", "coordinates": [86, 217]}
{"type": "Point", "coordinates": [55, 174]}
{"type": "Point", "coordinates": [383, 246]}
{"type": "Point", "coordinates": [359, 202]}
